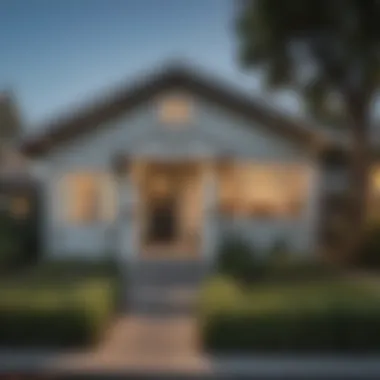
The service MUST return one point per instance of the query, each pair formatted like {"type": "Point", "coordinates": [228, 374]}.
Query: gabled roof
{"type": "Point", "coordinates": [173, 77]}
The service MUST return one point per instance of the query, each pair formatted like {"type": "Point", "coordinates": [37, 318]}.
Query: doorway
{"type": "Point", "coordinates": [168, 192]}
{"type": "Point", "coordinates": [162, 221]}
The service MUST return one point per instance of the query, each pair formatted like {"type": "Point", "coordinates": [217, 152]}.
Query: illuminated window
{"type": "Point", "coordinates": [264, 191]}
{"type": "Point", "coordinates": [88, 198]}
{"type": "Point", "coordinates": [174, 110]}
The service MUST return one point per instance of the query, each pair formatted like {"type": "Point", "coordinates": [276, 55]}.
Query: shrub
{"type": "Point", "coordinates": [236, 258]}
{"type": "Point", "coordinates": [329, 318]}
{"type": "Point", "coordinates": [369, 254]}
{"type": "Point", "coordinates": [325, 331]}
{"type": "Point", "coordinates": [56, 317]}
{"type": "Point", "coordinates": [301, 270]}
{"type": "Point", "coordinates": [279, 254]}
{"type": "Point", "coordinates": [11, 243]}
{"type": "Point", "coordinates": [63, 303]}
{"type": "Point", "coordinates": [219, 293]}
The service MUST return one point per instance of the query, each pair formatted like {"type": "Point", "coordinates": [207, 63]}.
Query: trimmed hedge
{"type": "Point", "coordinates": [65, 312]}
{"type": "Point", "coordinates": [319, 318]}
{"type": "Point", "coordinates": [368, 256]}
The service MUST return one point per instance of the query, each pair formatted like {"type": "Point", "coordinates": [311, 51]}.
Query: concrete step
{"type": "Point", "coordinates": [162, 300]}
{"type": "Point", "coordinates": [167, 273]}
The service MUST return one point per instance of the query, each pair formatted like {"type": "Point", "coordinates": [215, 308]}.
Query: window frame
{"type": "Point", "coordinates": [242, 207]}
{"type": "Point", "coordinates": [164, 105]}
{"type": "Point", "coordinates": [73, 196]}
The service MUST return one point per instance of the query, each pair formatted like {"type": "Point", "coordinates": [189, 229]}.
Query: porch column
{"type": "Point", "coordinates": [210, 222]}
{"type": "Point", "coordinates": [312, 210]}
{"type": "Point", "coordinates": [126, 212]}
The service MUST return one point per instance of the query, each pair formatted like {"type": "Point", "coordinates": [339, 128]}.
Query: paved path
{"type": "Point", "coordinates": [142, 343]}
{"type": "Point", "coordinates": [159, 332]}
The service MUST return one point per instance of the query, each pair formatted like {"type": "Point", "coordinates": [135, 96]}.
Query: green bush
{"type": "Point", "coordinates": [301, 270]}
{"type": "Point", "coordinates": [11, 243]}
{"type": "Point", "coordinates": [237, 259]}
{"type": "Point", "coordinates": [329, 331]}
{"type": "Point", "coordinates": [330, 317]}
{"type": "Point", "coordinates": [54, 306]}
{"type": "Point", "coordinates": [368, 256]}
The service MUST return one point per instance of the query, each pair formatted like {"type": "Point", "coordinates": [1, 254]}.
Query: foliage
{"type": "Point", "coordinates": [328, 53]}
{"type": "Point", "coordinates": [11, 243]}
{"type": "Point", "coordinates": [328, 317]}
{"type": "Point", "coordinates": [239, 260]}
{"type": "Point", "coordinates": [236, 258]}
{"type": "Point", "coordinates": [337, 41]}
{"type": "Point", "coordinates": [369, 254]}
{"type": "Point", "coordinates": [55, 316]}
{"type": "Point", "coordinates": [298, 269]}
{"type": "Point", "coordinates": [53, 306]}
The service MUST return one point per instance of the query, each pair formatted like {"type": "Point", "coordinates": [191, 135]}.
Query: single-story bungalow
{"type": "Point", "coordinates": [168, 167]}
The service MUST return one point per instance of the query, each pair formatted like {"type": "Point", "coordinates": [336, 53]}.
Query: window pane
{"type": "Point", "coordinates": [84, 198]}
{"type": "Point", "coordinates": [174, 109]}
{"type": "Point", "coordinates": [263, 190]}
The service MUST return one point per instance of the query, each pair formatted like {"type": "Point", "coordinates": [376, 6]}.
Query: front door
{"type": "Point", "coordinates": [162, 221]}
{"type": "Point", "coordinates": [170, 212]}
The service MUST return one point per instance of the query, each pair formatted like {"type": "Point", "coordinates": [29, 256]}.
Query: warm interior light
{"type": "Point", "coordinates": [174, 109]}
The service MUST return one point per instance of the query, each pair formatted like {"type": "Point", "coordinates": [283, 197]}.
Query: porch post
{"type": "Point", "coordinates": [209, 214]}
{"type": "Point", "coordinates": [126, 211]}
{"type": "Point", "coordinates": [312, 210]}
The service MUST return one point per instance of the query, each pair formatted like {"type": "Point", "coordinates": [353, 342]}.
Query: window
{"type": "Point", "coordinates": [262, 190]}
{"type": "Point", "coordinates": [88, 198]}
{"type": "Point", "coordinates": [174, 109]}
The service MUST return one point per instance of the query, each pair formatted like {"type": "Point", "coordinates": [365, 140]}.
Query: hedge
{"type": "Point", "coordinates": [39, 311]}
{"type": "Point", "coordinates": [318, 318]}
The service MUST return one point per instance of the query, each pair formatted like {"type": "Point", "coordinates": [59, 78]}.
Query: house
{"type": "Point", "coordinates": [168, 167]}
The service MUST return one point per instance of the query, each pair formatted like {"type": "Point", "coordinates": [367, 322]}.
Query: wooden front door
{"type": "Point", "coordinates": [165, 195]}
{"type": "Point", "coordinates": [162, 221]}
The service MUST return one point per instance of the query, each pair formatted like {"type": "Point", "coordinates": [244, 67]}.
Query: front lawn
{"type": "Point", "coordinates": [316, 316]}
{"type": "Point", "coordinates": [57, 305]}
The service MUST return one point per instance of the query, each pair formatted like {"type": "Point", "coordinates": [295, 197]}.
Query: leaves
{"type": "Point", "coordinates": [342, 40]}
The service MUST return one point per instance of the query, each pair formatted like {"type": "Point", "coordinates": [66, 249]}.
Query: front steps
{"type": "Point", "coordinates": [164, 287]}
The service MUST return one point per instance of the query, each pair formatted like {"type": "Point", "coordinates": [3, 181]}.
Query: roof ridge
{"type": "Point", "coordinates": [172, 75]}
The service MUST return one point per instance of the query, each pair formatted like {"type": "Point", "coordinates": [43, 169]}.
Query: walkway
{"type": "Point", "coordinates": [159, 331]}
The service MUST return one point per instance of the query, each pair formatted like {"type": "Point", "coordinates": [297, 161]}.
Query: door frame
{"type": "Point", "coordinates": [184, 247]}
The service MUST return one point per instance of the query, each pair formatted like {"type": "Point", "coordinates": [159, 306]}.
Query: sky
{"type": "Point", "coordinates": [58, 54]}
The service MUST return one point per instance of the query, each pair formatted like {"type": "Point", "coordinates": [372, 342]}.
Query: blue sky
{"type": "Point", "coordinates": [57, 54]}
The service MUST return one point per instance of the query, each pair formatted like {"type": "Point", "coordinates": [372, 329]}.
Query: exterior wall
{"type": "Point", "coordinates": [212, 131]}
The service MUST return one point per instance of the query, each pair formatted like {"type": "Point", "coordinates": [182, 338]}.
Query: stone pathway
{"type": "Point", "coordinates": [159, 332]}
{"type": "Point", "coordinates": [139, 343]}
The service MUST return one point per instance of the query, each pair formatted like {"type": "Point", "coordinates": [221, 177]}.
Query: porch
{"type": "Point", "coordinates": [167, 209]}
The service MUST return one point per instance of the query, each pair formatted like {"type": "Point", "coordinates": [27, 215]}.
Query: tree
{"type": "Point", "coordinates": [329, 52]}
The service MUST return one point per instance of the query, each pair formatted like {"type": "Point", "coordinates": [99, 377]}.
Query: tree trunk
{"type": "Point", "coordinates": [359, 181]}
